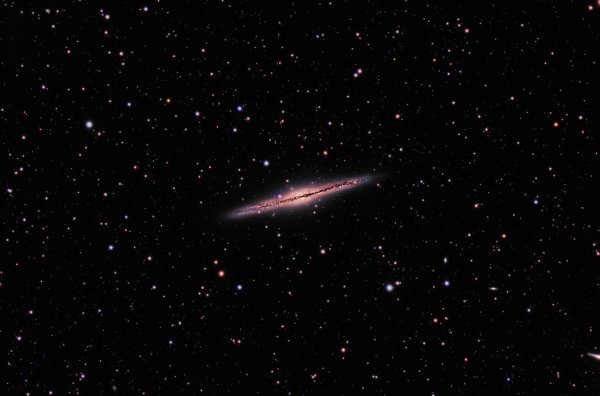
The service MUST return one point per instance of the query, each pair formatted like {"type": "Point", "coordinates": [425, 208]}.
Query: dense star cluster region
{"type": "Point", "coordinates": [466, 263]}
{"type": "Point", "coordinates": [296, 196]}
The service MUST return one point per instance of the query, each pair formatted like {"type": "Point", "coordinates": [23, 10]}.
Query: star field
{"type": "Point", "coordinates": [469, 266]}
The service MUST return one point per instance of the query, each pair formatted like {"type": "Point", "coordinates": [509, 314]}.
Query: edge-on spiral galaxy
{"type": "Point", "coordinates": [299, 196]}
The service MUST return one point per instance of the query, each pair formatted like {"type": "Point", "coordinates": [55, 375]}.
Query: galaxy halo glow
{"type": "Point", "coordinates": [300, 196]}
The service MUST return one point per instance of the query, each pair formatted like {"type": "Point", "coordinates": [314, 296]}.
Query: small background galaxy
{"type": "Point", "coordinates": [130, 129]}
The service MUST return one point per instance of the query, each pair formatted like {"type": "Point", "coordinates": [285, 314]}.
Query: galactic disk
{"type": "Point", "coordinates": [299, 196]}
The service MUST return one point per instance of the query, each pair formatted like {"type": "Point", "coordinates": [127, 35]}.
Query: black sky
{"type": "Point", "coordinates": [470, 265]}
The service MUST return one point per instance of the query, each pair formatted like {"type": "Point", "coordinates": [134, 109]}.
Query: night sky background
{"type": "Point", "coordinates": [469, 265]}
